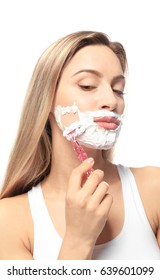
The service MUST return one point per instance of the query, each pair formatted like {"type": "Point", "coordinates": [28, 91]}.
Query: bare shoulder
{"type": "Point", "coordinates": [14, 208]}
{"type": "Point", "coordinates": [16, 227]}
{"type": "Point", "coordinates": [148, 182]}
{"type": "Point", "coordinates": [148, 175]}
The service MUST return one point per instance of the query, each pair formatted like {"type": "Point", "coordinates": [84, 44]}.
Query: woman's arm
{"type": "Point", "coordinates": [14, 244]}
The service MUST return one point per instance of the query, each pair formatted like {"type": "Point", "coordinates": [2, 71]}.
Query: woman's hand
{"type": "Point", "coordinates": [87, 207]}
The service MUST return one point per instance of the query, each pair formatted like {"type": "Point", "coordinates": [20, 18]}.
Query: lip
{"type": "Point", "coordinates": [109, 123]}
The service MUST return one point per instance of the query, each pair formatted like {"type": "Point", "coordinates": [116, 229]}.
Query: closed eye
{"type": "Point", "coordinates": [119, 92]}
{"type": "Point", "coordinates": [87, 87]}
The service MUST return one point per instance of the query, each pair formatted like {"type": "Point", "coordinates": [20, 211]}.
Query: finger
{"type": "Point", "coordinates": [106, 204]}
{"type": "Point", "coordinates": [99, 194]}
{"type": "Point", "coordinates": [93, 181]}
{"type": "Point", "coordinates": [75, 181]}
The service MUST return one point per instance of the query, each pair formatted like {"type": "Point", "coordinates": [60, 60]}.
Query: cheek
{"type": "Point", "coordinates": [68, 119]}
{"type": "Point", "coordinates": [63, 96]}
{"type": "Point", "coordinates": [61, 99]}
{"type": "Point", "coordinates": [121, 106]}
{"type": "Point", "coordinates": [69, 98]}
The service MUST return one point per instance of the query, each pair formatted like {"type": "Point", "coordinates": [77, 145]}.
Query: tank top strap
{"type": "Point", "coordinates": [46, 240]}
{"type": "Point", "coordinates": [132, 201]}
{"type": "Point", "coordinates": [37, 204]}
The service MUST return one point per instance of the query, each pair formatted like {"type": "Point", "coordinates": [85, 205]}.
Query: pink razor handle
{"type": "Point", "coordinates": [81, 154]}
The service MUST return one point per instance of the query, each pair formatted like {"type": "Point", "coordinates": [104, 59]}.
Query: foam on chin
{"type": "Point", "coordinates": [86, 131]}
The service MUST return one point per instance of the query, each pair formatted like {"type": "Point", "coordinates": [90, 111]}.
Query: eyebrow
{"type": "Point", "coordinates": [98, 74]}
{"type": "Point", "coordinates": [95, 72]}
{"type": "Point", "coordinates": [118, 78]}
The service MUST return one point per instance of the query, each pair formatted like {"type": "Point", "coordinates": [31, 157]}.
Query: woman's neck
{"type": "Point", "coordinates": [64, 160]}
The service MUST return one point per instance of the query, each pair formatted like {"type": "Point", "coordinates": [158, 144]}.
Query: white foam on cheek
{"type": "Point", "coordinates": [61, 111]}
{"type": "Point", "coordinates": [86, 131]}
{"type": "Point", "coordinates": [81, 125]}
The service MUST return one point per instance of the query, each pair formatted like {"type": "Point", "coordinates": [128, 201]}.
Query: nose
{"type": "Point", "coordinates": [108, 100]}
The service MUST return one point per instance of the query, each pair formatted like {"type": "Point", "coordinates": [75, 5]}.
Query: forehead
{"type": "Point", "coordinates": [97, 57]}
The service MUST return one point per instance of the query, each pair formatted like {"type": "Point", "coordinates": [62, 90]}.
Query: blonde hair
{"type": "Point", "coordinates": [30, 160]}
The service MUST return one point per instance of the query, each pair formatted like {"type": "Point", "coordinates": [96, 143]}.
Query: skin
{"type": "Point", "coordinates": [73, 201]}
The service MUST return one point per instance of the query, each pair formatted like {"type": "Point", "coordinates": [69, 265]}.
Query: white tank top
{"type": "Point", "coordinates": [135, 241]}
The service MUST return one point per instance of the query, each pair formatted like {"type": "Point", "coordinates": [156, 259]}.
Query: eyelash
{"type": "Point", "coordinates": [89, 88]}
{"type": "Point", "coordinates": [119, 92]}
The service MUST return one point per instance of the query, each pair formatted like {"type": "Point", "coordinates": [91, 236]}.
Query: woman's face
{"type": "Point", "coordinates": [89, 100]}
{"type": "Point", "coordinates": [93, 80]}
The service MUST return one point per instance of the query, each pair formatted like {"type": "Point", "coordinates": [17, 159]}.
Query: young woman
{"type": "Point", "coordinates": [62, 197]}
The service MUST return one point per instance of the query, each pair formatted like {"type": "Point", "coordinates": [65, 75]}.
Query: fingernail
{"type": "Point", "coordinates": [90, 160]}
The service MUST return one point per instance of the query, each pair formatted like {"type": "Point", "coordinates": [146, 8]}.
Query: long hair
{"type": "Point", "coordinates": [30, 159]}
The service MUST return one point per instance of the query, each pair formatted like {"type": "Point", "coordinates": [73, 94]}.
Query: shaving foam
{"type": "Point", "coordinates": [86, 132]}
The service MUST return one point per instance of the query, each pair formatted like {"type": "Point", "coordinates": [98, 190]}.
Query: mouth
{"type": "Point", "coordinates": [109, 123]}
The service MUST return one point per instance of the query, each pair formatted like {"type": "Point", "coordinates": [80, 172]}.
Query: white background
{"type": "Point", "coordinates": [28, 27]}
